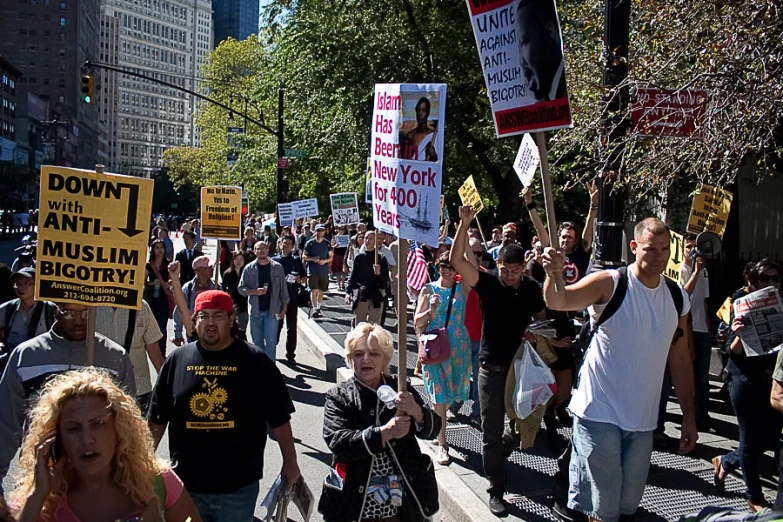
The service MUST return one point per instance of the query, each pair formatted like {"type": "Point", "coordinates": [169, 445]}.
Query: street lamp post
{"type": "Point", "coordinates": [614, 126]}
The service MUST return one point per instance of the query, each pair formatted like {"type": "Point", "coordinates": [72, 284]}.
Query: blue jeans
{"type": "Point", "coordinates": [608, 469]}
{"type": "Point", "coordinates": [238, 506]}
{"type": "Point", "coordinates": [759, 429]}
{"type": "Point", "coordinates": [702, 347]}
{"type": "Point", "coordinates": [263, 332]}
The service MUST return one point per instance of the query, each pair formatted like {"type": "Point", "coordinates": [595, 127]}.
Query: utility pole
{"type": "Point", "coordinates": [282, 187]}
{"type": "Point", "coordinates": [614, 126]}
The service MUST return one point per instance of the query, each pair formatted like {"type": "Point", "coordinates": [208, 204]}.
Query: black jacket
{"type": "Point", "coordinates": [352, 418]}
{"type": "Point", "coordinates": [186, 272]}
{"type": "Point", "coordinates": [371, 287]}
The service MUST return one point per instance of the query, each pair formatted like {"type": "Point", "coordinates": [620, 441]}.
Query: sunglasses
{"type": "Point", "coordinates": [70, 315]}
{"type": "Point", "coordinates": [446, 267]}
{"type": "Point", "coordinates": [764, 278]}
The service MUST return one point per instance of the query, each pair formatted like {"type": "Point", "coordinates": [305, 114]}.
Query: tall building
{"type": "Point", "coordinates": [49, 41]}
{"type": "Point", "coordinates": [235, 18]}
{"type": "Point", "coordinates": [8, 101]}
{"type": "Point", "coordinates": [162, 39]}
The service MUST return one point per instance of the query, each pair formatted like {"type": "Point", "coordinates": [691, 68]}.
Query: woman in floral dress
{"type": "Point", "coordinates": [447, 382]}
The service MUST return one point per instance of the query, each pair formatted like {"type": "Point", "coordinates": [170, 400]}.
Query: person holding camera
{"type": "Point", "coordinates": [750, 386]}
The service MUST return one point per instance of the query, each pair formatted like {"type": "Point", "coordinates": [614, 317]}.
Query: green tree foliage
{"type": "Point", "coordinates": [329, 54]}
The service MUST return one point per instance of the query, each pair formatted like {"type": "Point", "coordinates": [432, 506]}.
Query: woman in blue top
{"type": "Point", "coordinates": [447, 382]}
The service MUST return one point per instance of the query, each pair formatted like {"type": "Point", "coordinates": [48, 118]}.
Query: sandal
{"type": "Point", "coordinates": [719, 476]}
{"type": "Point", "coordinates": [443, 455]}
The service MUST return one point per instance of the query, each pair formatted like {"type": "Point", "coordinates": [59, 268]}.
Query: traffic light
{"type": "Point", "coordinates": [88, 88]}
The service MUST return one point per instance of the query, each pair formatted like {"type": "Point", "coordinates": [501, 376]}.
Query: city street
{"type": "Point", "coordinates": [677, 484]}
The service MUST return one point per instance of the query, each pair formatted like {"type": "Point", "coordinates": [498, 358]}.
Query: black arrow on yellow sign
{"type": "Point", "coordinates": [130, 229]}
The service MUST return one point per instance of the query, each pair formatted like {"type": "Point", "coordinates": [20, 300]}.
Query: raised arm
{"type": "Point", "coordinates": [468, 272]}
{"type": "Point", "coordinates": [587, 233]}
{"type": "Point", "coordinates": [185, 316]}
{"type": "Point", "coordinates": [543, 235]}
{"type": "Point", "coordinates": [594, 289]}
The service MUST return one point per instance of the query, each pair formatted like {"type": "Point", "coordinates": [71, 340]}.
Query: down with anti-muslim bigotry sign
{"type": "Point", "coordinates": [406, 152]}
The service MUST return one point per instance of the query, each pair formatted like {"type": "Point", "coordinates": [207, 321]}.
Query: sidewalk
{"type": "Point", "coordinates": [677, 484]}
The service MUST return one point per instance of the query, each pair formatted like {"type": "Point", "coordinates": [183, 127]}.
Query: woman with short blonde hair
{"type": "Point", "coordinates": [378, 471]}
{"type": "Point", "coordinates": [86, 436]}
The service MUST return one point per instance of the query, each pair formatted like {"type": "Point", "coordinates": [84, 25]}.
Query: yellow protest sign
{"type": "Point", "coordinates": [92, 237]}
{"type": "Point", "coordinates": [469, 195]}
{"type": "Point", "coordinates": [674, 268]}
{"type": "Point", "coordinates": [724, 313]}
{"type": "Point", "coordinates": [221, 212]}
{"type": "Point", "coordinates": [710, 210]}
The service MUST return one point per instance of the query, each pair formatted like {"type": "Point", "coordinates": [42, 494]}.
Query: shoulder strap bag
{"type": "Point", "coordinates": [434, 344]}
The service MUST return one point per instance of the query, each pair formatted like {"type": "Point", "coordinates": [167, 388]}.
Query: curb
{"type": "Point", "coordinates": [458, 502]}
{"type": "Point", "coordinates": [328, 351]}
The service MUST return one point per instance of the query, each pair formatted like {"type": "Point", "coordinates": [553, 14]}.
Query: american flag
{"type": "Point", "coordinates": [417, 267]}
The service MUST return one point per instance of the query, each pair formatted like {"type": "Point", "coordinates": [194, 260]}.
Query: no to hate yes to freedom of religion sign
{"type": "Point", "coordinates": [221, 212]}
{"type": "Point", "coordinates": [92, 237]}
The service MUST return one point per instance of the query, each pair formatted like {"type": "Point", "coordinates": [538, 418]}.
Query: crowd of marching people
{"type": "Point", "coordinates": [88, 422]}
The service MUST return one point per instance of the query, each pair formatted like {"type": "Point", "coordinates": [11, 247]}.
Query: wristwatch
{"type": "Point", "coordinates": [531, 205]}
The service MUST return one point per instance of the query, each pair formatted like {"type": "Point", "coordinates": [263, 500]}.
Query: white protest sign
{"type": "Point", "coordinates": [521, 52]}
{"type": "Point", "coordinates": [527, 161]}
{"type": "Point", "coordinates": [288, 212]}
{"type": "Point", "coordinates": [342, 240]}
{"type": "Point", "coordinates": [345, 208]}
{"type": "Point", "coordinates": [406, 150]}
{"type": "Point", "coordinates": [305, 208]}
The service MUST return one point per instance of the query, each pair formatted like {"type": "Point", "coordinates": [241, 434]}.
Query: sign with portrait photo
{"type": "Point", "coordinates": [521, 51]}
{"type": "Point", "coordinates": [345, 209]}
{"type": "Point", "coordinates": [406, 151]}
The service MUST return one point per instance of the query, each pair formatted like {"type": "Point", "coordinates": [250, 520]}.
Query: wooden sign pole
{"type": "Point", "coordinates": [549, 203]}
{"type": "Point", "coordinates": [402, 316]}
{"type": "Point", "coordinates": [92, 312]}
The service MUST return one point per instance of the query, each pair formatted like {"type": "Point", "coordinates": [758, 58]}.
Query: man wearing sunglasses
{"type": "Point", "coordinates": [216, 396]}
{"type": "Point", "coordinates": [32, 363]}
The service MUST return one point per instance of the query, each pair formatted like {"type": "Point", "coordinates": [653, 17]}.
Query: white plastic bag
{"type": "Point", "coordinates": [535, 383]}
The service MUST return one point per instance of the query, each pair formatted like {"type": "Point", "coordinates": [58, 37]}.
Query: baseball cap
{"type": "Point", "coordinates": [202, 262]}
{"type": "Point", "coordinates": [319, 227]}
{"type": "Point", "coordinates": [214, 300]}
{"type": "Point", "coordinates": [28, 272]}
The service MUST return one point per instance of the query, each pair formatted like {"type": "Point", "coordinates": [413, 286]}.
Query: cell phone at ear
{"type": "Point", "coordinates": [57, 449]}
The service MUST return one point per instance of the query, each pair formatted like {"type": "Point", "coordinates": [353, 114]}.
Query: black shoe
{"type": "Point", "coordinates": [291, 360]}
{"type": "Point", "coordinates": [498, 506]}
{"type": "Point", "coordinates": [317, 313]}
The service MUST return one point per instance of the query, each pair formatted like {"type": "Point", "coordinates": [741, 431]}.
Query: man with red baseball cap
{"type": "Point", "coordinates": [208, 395]}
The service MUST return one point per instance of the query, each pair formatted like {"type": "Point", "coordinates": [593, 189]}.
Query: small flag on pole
{"type": "Point", "coordinates": [417, 267]}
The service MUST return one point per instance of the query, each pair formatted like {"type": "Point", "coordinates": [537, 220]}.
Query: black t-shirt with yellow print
{"type": "Point", "coordinates": [217, 406]}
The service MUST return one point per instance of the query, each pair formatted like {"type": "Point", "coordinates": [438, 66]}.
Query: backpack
{"type": "Point", "coordinates": [41, 308]}
{"type": "Point", "coordinates": [586, 333]}
{"type": "Point", "coordinates": [559, 503]}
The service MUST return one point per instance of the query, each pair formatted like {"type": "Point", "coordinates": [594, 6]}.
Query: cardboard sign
{"type": "Point", "coordinates": [521, 52]}
{"type": "Point", "coordinates": [92, 237]}
{"type": "Point", "coordinates": [406, 150]}
{"type": "Point", "coordinates": [469, 195]}
{"type": "Point", "coordinates": [658, 112]}
{"type": "Point", "coordinates": [527, 161]}
{"type": "Point", "coordinates": [288, 212]}
{"type": "Point", "coordinates": [710, 210]}
{"type": "Point", "coordinates": [221, 212]}
{"type": "Point", "coordinates": [674, 267]}
{"type": "Point", "coordinates": [345, 209]}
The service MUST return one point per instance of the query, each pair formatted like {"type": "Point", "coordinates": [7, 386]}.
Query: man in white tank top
{"type": "Point", "coordinates": [616, 402]}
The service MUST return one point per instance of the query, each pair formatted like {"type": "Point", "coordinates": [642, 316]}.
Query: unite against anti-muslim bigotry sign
{"type": "Point", "coordinates": [521, 52]}
{"type": "Point", "coordinates": [406, 150]}
{"type": "Point", "coordinates": [92, 237]}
